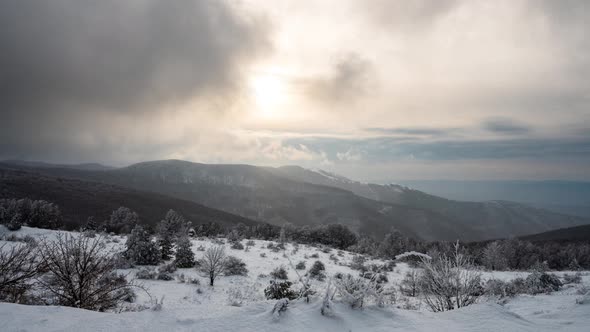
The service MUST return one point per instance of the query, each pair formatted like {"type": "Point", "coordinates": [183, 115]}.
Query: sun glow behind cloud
{"type": "Point", "coordinates": [269, 94]}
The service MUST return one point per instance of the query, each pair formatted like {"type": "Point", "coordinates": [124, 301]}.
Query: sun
{"type": "Point", "coordinates": [269, 94]}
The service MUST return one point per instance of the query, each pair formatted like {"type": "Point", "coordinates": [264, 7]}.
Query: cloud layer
{"type": "Point", "coordinates": [367, 88]}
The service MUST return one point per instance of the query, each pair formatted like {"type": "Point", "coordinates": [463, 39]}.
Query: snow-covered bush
{"type": "Point", "coordinates": [239, 295]}
{"type": "Point", "coordinates": [250, 243]}
{"type": "Point", "coordinates": [327, 308]}
{"type": "Point", "coordinates": [167, 268]}
{"type": "Point", "coordinates": [317, 271]}
{"type": "Point", "coordinates": [165, 272]}
{"type": "Point", "coordinates": [300, 265]}
{"type": "Point", "coordinates": [146, 274]}
{"type": "Point", "coordinates": [358, 263]}
{"type": "Point", "coordinates": [354, 291]}
{"type": "Point", "coordinates": [449, 282]}
{"type": "Point", "coordinates": [541, 282]}
{"type": "Point", "coordinates": [500, 288]}
{"type": "Point", "coordinates": [235, 267]}
{"type": "Point", "coordinates": [69, 260]}
{"type": "Point", "coordinates": [279, 290]}
{"type": "Point", "coordinates": [279, 273]}
{"type": "Point", "coordinates": [280, 307]}
{"type": "Point", "coordinates": [575, 278]}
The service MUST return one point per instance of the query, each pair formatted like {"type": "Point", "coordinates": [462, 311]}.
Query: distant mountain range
{"type": "Point", "coordinates": [570, 234]}
{"type": "Point", "coordinates": [568, 197]}
{"type": "Point", "coordinates": [299, 196]}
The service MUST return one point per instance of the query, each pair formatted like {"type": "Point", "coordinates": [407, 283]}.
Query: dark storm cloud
{"type": "Point", "coordinates": [61, 58]}
{"type": "Point", "coordinates": [505, 126]}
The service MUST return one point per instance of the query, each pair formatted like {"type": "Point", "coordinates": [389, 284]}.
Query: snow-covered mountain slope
{"type": "Point", "coordinates": [477, 220]}
{"type": "Point", "coordinates": [191, 307]}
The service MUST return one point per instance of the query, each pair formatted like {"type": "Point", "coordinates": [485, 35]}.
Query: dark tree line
{"type": "Point", "coordinates": [14, 213]}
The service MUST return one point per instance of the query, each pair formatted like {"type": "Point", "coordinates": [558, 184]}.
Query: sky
{"type": "Point", "coordinates": [373, 90]}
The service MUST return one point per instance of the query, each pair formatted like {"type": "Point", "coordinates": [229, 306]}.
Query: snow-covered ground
{"type": "Point", "coordinates": [191, 307]}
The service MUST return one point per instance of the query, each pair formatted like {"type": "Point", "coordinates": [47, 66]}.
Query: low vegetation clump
{"type": "Point", "coordinates": [317, 271]}
{"type": "Point", "coordinates": [235, 267]}
{"type": "Point", "coordinates": [280, 290]}
{"type": "Point", "coordinates": [300, 265]}
{"type": "Point", "coordinates": [279, 273]}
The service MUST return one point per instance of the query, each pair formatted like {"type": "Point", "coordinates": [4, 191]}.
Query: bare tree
{"type": "Point", "coordinates": [449, 282]}
{"type": "Point", "coordinates": [81, 274]}
{"type": "Point", "coordinates": [18, 265]}
{"type": "Point", "coordinates": [213, 262]}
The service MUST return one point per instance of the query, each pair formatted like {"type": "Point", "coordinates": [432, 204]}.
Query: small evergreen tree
{"type": "Point", "coordinates": [91, 224]}
{"type": "Point", "coordinates": [165, 239]}
{"type": "Point", "coordinates": [141, 249]}
{"type": "Point", "coordinates": [185, 257]}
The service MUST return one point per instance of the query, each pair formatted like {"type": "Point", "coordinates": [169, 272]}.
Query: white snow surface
{"type": "Point", "coordinates": [189, 307]}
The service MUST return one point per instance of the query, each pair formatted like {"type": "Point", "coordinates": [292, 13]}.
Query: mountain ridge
{"type": "Point", "coordinates": [299, 196]}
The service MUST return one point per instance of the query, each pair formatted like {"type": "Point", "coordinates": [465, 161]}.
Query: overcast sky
{"type": "Point", "coordinates": [378, 89]}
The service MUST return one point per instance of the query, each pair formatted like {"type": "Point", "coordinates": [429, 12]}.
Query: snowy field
{"type": "Point", "coordinates": [199, 307]}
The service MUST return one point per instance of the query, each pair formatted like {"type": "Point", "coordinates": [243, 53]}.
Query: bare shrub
{"type": "Point", "coordinates": [410, 284]}
{"type": "Point", "coordinates": [449, 282]}
{"type": "Point", "coordinates": [354, 291]}
{"type": "Point", "coordinates": [18, 265]}
{"type": "Point", "coordinates": [81, 274]}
